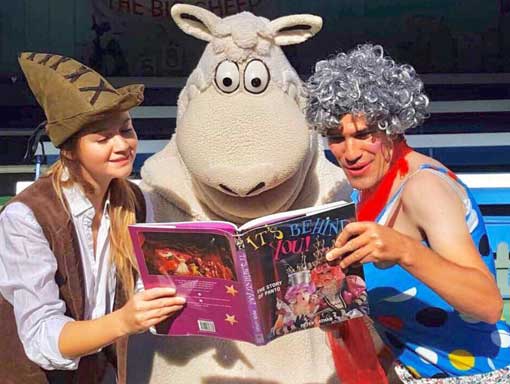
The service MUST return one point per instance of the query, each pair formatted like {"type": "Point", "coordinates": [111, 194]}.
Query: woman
{"type": "Point", "coordinates": [66, 265]}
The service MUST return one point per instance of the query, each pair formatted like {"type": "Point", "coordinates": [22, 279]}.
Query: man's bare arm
{"type": "Point", "coordinates": [452, 267]}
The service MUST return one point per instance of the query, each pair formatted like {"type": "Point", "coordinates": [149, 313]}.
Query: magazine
{"type": "Point", "coordinates": [254, 283]}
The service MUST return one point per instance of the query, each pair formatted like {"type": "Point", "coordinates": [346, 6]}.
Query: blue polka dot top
{"type": "Point", "coordinates": [425, 333]}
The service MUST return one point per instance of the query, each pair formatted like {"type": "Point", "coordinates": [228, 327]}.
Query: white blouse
{"type": "Point", "coordinates": [27, 276]}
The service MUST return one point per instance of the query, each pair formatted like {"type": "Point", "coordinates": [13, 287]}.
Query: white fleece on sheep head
{"type": "Point", "coordinates": [242, 147]}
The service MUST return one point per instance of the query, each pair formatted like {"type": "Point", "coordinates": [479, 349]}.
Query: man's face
{"type": "Point", "coordinates": [363, 152]}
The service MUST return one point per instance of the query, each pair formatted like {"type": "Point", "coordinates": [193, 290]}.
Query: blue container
{"type": "Point", "coordinates": [495, 206]}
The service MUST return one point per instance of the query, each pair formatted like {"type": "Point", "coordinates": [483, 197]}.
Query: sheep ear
{"type": "Point", "coordinates": [295, 29]}
{"type": "Point", "coordinates": [195, 21]}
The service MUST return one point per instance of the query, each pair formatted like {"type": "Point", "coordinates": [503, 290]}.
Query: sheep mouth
{"type": "Point", "coordinates": [226, 189]}
{"type": "Point", "coordinates": [259, 202]}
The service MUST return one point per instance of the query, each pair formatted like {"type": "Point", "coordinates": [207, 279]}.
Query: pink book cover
{"type": "Point", "coordinates": [199, 260]}
{"type": "Point", "coordinates": [254, 283]}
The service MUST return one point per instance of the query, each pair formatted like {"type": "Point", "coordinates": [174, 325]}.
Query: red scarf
{"type": "Point", "coordinates": [371, 203]}
{"type": "Point", "coordinates": [354, 354]}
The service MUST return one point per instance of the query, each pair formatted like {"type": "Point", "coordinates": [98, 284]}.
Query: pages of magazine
{"type": "Point", "coordinates": [288, 215]}
{"type": "Point", "coordinates": [275, 217]}
{"type": "Point", "coordinates": [254, 285]}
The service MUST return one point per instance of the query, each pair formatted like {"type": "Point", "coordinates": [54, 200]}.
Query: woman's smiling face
{"type": "Point", "coordinates": [107, 149]}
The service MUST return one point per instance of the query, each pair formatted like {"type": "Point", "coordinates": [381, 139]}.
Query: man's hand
{"type": "Point", "coordinates": [367, 242]}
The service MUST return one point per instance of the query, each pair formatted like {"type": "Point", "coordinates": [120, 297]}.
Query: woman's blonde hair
{"type": "Point", "coordinates": [64, 173]}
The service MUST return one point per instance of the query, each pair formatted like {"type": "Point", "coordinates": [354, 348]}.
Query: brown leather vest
{"type": "Point", "coordinates": [58, 228]}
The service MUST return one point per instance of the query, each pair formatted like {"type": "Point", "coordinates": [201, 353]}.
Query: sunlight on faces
{"type": "Point", "coordinates": [106, 149]}
{"type": "Point", "coordinates": [363, 152]}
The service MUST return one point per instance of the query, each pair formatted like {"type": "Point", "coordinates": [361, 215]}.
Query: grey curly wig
{"type": "Point", "coordinates": [365, 82]}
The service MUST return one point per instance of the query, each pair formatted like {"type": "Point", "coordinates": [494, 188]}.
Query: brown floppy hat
{"type": "Point", "coordinates": [73, 95]}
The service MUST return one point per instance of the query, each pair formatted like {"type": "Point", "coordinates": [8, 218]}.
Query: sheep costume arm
{"type": "Point", "coordinates": [242, 149]}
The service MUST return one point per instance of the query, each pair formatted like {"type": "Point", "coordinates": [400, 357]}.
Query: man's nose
{"type": "Point", "coordinates": [352, 152]}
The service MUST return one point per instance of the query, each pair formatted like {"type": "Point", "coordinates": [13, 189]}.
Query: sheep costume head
{"type": "Point", "coordinates": [242, 147]}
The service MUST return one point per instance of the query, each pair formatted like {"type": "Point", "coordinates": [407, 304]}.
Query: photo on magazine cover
{"type": "Point", "coordinates": [316, 292]}
{"type": "Point", "coordinates": [188, 254]}
{"type": "Point", "coordinates": [297, 288]}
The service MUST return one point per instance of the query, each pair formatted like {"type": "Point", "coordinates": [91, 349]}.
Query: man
{"type": "Point", "coordinates": [419, 234]}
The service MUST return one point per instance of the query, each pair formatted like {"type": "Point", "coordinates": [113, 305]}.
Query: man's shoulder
{"type": "Point", "coordinates": [429, 191]}
{"type": "Point", "coordinates": [422, 178]}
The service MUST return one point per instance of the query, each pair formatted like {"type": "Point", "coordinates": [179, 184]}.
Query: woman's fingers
{"type": "Point", "coordinates": [161, 312]}
{"type": "Point", "coordinates": [147, 305]}
{"type": "Point", "coordinates": [151, 317]}
{"type": "Point", "coordinates": [157, 302]}
{"type": "Point", "coordinates": [155, 298]}
{"type": "Point", "coordinates": [154, 293]}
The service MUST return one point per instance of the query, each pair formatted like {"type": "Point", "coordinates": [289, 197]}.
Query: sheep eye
{"type": "Point", "coordinates": [256, 77]}
{"type": "Point", "coordinates": [227, 76]}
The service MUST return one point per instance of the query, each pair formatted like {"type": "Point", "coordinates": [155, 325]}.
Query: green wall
{"type": "Point", "coordinates": [437, 36]}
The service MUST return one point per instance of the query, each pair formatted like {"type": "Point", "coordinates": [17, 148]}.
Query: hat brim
{"type": "Point", "coordinates": [130, 97]}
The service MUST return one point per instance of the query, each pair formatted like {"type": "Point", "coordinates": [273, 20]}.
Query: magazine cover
{"type": "Point", "coordinates": [296, 287]}
{"type": "Point", "coordinates": [254, 283]}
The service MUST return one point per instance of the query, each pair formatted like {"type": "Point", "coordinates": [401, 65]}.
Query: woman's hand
{"type": "Point", "coordinates": [366, 242]}
{"type": "Point", "coordinates": [148, 308]}
{"type": "Point", "coordinates": [143, 310]}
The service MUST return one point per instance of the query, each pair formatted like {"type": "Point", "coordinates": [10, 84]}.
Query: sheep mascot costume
{"type": "Point", "coordinates": [241, 149]}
